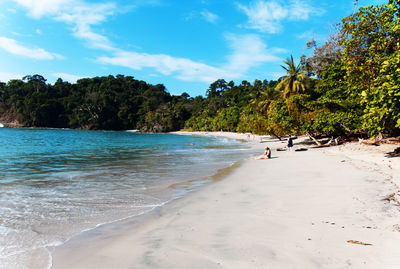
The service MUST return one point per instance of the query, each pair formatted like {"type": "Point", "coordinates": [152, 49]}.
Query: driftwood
{"type": "Point", "coordinates": [358, 242]}
{"type": "Point", "coordinates": [315, 140]}
{"type": "Point", "coordinates": [379, 139]}
{"type": "Point", "coordinates": [369, 142]}
{"type": "Point", "coordinates": [393, 140]}
{"type": "Point", "coordinates": [301, 149]}
{"type": "Point", "coordinates": [374, 142]}
{"type": "Point", "coordinates": [332, 142]}
{"type": "Point", "coordinates": [394, 153]}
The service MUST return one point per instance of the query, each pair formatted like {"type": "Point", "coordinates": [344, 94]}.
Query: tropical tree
{"type": "Point", "coordinates": [262, 95]}
{"type": "Point", "coordinates": [372, 58]}
{"type": "Point", "coordinates": [326, 54]}
{"type": "Point", "coordinates": [295, 81]}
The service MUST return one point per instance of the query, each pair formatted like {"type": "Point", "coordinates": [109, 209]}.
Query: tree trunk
{"type": "Point", "coordinates": [314, 139]}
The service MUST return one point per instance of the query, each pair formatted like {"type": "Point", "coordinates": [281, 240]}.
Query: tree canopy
{"type": "Point", "coordinates": [347, 86]}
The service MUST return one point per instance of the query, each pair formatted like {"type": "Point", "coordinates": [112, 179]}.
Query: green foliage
{"type": "Point", "coordinates": [111, 103]}
{"type": "Point", "coordinates": [230, 107]}
{"type": "Point", "coordinates": [334, 123]}
{"type": "Point", "coordinates": [295, 81]}
{"type": "Point", "coordinates": [372, 60]}
{"type": "Point", "coordinates": [227, 119]}
{"type": "Point", "coordinates": [332, 111]}
{"type": "Point", "coordinates": [357, 92]}
{"type": "Point", "coordinates": [251, 121]}
{"type": "Point", "coordinates": [279, 120]}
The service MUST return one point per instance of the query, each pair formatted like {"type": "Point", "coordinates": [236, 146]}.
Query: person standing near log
{"type": "Point", "coordinates": [290, 143]}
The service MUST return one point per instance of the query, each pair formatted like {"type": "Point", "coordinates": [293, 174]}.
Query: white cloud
{"type": "Point", "coordinates": [267, 16]}
{"type": "Point", "coordinates": [205, 15]}
{"type": "Point", "coordinates": [308, 35]}
{"type": "Point", "coordinates": [39, 8]}
{"type": "Point", "coordinates": [209, 16]}
{"type": "Point", "coordinates": [185, 69]}
{"type": "Point", "coordinates": [247, 51]}
{"type": "Point", "coordinates": [276, 75]}
{"type": "Point", "coordinates": [67, 77]}
{"type": "Point", "coordinates": [81, 15]}
{"type": "Point", "coordinates": [13, 47]}
{"type": "Point", "coordinates": [264, 16]}
{"type": "Point", "coordinates": [6, 77]}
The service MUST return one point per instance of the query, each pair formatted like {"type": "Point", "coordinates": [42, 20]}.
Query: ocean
{"type": "Point", "coordinates": [57, 184]}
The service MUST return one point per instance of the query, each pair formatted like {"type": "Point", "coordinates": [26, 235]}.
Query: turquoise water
{"type": "Point", "coordinates": [55, 184]}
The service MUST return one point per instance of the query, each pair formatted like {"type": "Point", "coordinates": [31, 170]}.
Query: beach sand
{"type": "Point", "coordinates": [311, 209]}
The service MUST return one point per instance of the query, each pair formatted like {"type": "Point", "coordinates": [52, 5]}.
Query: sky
{"type": "Point", "coordinates": [184, 44]}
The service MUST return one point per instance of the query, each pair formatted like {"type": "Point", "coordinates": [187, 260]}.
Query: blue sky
{"type": "Point", "coordinates": [185, 45]}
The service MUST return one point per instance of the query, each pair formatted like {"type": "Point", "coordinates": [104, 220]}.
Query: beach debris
{"type": "Point", "coordinates": [301, 149]}
{"type": "Point", "coordinates": [369, 142]}
{"type": "Point", "coordinates": [280, 149]}
{"type": "Point", "coordinates": [394, 153]}
{"type": "Point", "coordinates": [376, 141]}
{"type": "Point", "coordinates": [369, 227]}
{"type": "Point", "coordinates": [332, 141]}
{"type": "Point", "coordinates": [391, 198]}
{"type": "Point", "coordinates": [359, 242]}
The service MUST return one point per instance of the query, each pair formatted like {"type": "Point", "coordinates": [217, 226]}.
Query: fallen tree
{"type": "Point", "coordinates": [332, 141]}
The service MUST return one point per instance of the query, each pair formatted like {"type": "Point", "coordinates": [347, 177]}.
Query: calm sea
{"type": "Point", "coordinates": [56, 184]}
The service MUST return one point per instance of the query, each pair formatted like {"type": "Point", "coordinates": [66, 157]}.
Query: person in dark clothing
{"type": "Point", "coordinates": [290, 143]}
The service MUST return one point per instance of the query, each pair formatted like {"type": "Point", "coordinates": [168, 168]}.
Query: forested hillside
{"type": "Point", "coordinates": [347, 86]}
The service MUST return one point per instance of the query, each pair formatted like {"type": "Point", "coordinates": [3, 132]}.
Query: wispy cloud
{"type": "Point", "coordinates": [247, 51]}
{"type": "Point", "coordinates": [306, 35]}
{"type": "Point", "coordinates": [183, 68]}
{"type": "Point", "coordinates": [204, 15]}
{"type": "Point", "coordinates": [80, 15]}
{"type": "Point", "coordinates": [40, 8]}
{"type": "Point", "coordinates": [13, 47]}
{"type": "Point", "coordinates": [209, 16]}
{"type": "Point", "coordinates": [264, 16]}
{"type": "Point", "coordinates": [6, 77]}
{"type": "Point", "coordinates": [276, 75]}
{"type": "Point", "coordinates": [267, 16]}
{"type": "Point", "coordinates": [68, 77]}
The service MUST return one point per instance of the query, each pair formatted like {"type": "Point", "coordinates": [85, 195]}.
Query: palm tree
{"type": "Point", "coordinates": [295, 81]}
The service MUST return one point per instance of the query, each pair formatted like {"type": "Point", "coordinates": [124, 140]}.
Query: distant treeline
{"type": "Point", "coordinates": [350, 85]}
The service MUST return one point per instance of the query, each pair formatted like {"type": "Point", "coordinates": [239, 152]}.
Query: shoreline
{"type": "Point", "coordinates": [259, 215]}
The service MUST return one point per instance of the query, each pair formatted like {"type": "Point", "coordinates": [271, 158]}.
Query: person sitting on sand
{"type": "Point", "coordinates": [266, 155]}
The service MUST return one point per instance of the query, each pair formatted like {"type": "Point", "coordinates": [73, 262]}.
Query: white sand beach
{"type": "Point", "coordinates": [321, 208]}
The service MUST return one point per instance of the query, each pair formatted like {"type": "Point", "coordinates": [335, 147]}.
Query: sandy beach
{"type": "Point", "coordinates": [332, 207]}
